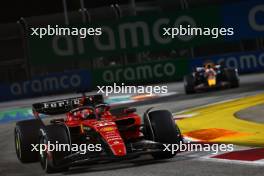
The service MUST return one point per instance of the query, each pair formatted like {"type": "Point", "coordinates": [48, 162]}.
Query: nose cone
{"type": "Point", "coordinates": [114, 140]}
{"type": "Point", "coordinates": [118, 149]}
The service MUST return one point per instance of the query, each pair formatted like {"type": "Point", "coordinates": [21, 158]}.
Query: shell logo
{"type": "Point", "coordinates": [106, 129]}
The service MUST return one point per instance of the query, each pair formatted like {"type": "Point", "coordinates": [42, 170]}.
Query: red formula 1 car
{"type": "Point", "coordinates": [112, 134]}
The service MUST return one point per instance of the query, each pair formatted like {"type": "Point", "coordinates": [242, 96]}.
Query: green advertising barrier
{"type": "Point", "coordinates": [153, 72]}
{"type": "Point", "coordinates": [127, 35]}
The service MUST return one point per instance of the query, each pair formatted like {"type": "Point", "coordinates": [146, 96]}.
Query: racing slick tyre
{"type": "Point", "coordinates": [50, 160]}
{"type": "Point", "coordinates": [165, 131]}
{"type": "Point", "coordinates": [26, 135]}
{"type": "Point", "coordinates": [232, 77]}
{"type": "Point", "coordinates": [189, 84]}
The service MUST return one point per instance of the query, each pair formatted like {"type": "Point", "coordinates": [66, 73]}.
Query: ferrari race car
{"type": "Point", "coordinates": [210, 77]}
{"type": "Point", "coordinates": [88, 120]}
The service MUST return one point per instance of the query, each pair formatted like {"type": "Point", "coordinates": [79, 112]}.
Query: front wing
{"type": "Point", "coordinates": [134, 150]}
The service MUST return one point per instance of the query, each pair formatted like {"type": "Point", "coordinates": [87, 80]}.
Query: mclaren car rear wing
{"type": "Point", "coordinates": [64, 105]}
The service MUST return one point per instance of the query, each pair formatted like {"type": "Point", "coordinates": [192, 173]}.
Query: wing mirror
{"type": "Point", "coordinates": [130, 110]}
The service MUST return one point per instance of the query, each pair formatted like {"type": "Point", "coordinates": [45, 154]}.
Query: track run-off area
{"type": "Point", "coordinates": [218, 123]}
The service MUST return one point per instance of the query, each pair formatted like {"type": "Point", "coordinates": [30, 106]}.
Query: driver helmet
{"type": "Point", "coordinates": [87, 114]}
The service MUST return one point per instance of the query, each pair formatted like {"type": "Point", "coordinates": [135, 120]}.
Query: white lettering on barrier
{"type": "Point", "coordinates": [140, 72]}
{"type": "Point", "coordinates": [140, 33]}
{"type": "Point", "coordinates": [183, 20]}
{"type": "Point", "coordinates": [133, 28]}
{"type": "Point", "coordinates": [46, 85]}
{"type": "Point", "coordinates": [69, 45]}
{"type": "Point", "coordinates": [252, 18]}
{"type": "Point", "coordinates": [243, 62]}
{"type": "Point", "coordinates": [156, 31]}
{"type": "Point", "coordinates": [111, 40]}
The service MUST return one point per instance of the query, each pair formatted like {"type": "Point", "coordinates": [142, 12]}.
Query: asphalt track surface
{"type": "Point", "coordinates": [256, 111]}
{"type": "Point", "coordinates": [181, 165]}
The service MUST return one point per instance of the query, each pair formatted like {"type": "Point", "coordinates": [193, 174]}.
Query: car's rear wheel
{"type": "Point", "coordinates": [189, 84]}
{"type": "Point", "coordinates": [50, 161]}
{"type": "Point", "coordinates": [165, 131]}
{"type": "Point", "coordinates": [26, 135]}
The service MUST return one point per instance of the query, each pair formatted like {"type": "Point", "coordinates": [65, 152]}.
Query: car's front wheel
{"type": "Point", "coordinates": [164, 130]}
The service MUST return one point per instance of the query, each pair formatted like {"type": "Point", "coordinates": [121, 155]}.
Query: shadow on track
{"type": "Point", "coordinates": [98, 167]}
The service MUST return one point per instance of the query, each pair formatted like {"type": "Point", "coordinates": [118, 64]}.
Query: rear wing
{"type": "Point", "coordinates": [65, 105]}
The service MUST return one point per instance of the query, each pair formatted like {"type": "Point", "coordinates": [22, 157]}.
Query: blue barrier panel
{"type": "Point", "coordinates": [246, 62]}
{"type": "Point", "coordinates": [247, 19]}
{"type": "Point", "coordinates": [48, 84]}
